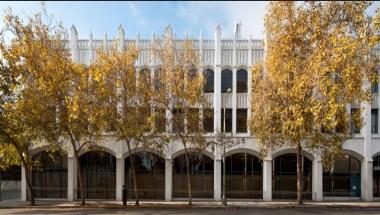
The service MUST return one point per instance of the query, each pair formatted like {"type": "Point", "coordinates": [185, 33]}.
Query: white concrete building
{"type": "Point", "coordinates": [161, 175]}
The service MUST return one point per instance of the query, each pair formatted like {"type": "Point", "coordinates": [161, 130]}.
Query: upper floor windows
{"type": "Point", "coordinates": [242, 81]}
{"type": "Point", "coordinates": [226, 80]}
{"type": "Point", "coordinates": [209, 81]}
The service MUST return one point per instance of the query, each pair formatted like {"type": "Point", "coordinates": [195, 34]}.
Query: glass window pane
{"type": "Point", "coordinates": [241, 120]}
{"type": "Point", "coordinates": [242, 81]}
{"type": "Point", "coordinates": [228, 120]}
{"type": "Point", "coordinates": [374, 121]}
{"type": "Point", "coordinates": [208, 120]}
{"type": "Point", "coordinates": [226, 80]}
{"type": "Point", "coordinates": [209, 81]}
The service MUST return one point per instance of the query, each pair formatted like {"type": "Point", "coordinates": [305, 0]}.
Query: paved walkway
{"type": "Point", "coordinates": [15, 203]}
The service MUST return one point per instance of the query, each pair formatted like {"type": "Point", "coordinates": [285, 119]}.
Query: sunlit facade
{"type": "Point", "coordinates": [162, 175]}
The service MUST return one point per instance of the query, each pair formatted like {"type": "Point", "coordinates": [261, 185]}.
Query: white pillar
{"type": "Point", "coordinates": [74, 44]}
{"type": "Point", "coordinates": [119, 178]}
{"type": "Point", "coordinates": [366, 180]}
{"type": "Point", "coordinates": [217, 80]}
{"type": "Point", "coordinates": [71, 178]}
{"type": "Point", "coordinates": [23, 183]}
{"type": "Point", "coordinates": [217, 179]}
{"type": "Point", "coordinates": [234, 97]}
{"type": "Point", "coordinates": [168, 179]}
{"type": "Point", "coordinates": [317, 180]}
{"type": "Point", "coordinates": [267, 179]}
{"type": "Point", "coordinates": [249, 80]}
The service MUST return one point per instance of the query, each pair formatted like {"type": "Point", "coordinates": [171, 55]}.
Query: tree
{"type": "Point", "coordinates": [179, 91]}
{"type": "Point", "coordinates": [29, 51]}
{"type": "Point", "coordinates": [318, 59]}
{"type": "Point", "coordinates": [127, 101]}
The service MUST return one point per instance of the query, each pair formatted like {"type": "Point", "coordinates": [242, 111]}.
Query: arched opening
{"type": "Point", "coordinates": [201, 176]}
{"type": "Point", "coordinates": [49, 177]}
{"type": "Point", "coordinates": [209, 81]}
{"type": "Point", "coordinates": [98, 169]}
{"type": "Point", "coordinates": [376, 176]}
{"type": "Point", "coordinates": [150, 175]}
{"type": "Point", "coordinates": [226, 80]}
{"type": "Point", "coordinates": [343, 179]}
{"type": "Point", "coordinates": [243, 176]}
{"type": "Point", "coordinates": [285, 177]}
{"type": "Point", "coordinates": [242, 81]}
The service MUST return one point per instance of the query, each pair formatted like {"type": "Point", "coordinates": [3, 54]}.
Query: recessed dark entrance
{"type": "Point", "coordinates": [285, 177]}
{"type": "Point", "coordinates": [150, 174]}
{"type": "Point", "coordinates": [99, 175]}
{"type": "Point", "coordinates": [201, 176]}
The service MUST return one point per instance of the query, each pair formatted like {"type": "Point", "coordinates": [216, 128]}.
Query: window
{"type": "Point", "coordinates": [208, 120]}
{"type": "Point", "coordinates": [228, 120]}
{"type": "Point", "coordinates": [374, 121]}
{"type": "Point", "coordinates": [355, 117]}
{"type": "Point", "coordinates": [241, 120]}
{"type": "Point", "coordinates": [226, 80]}
{"type": "Point", "coordinates": [160, 120]}
{"type": "Point", "coordinates": [178, 121]}
{"type": "Point", "coordinates": [193, 120]}
{"type": "Point", "coordinates": [209, 84]}
{"type": "Point", "coordinates": [158, 85]}
{"type": "Point", "coordinates": [375, 88]}
{"type": "Point", "coordinates": [242, 81]}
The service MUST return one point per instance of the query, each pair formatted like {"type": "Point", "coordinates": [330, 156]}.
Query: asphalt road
{"type": "Point", "coordinates": [195, 211]}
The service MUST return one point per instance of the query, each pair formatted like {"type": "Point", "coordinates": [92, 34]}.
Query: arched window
{"type": "Point", "coordinates": [242, 81]}
{"type": "Point", "coordinates": [145, 76]}
{"type": "Point", "coordinates": [209, 84]}
{"type": "Point", "coordinates": [150, 174]}
{"type": "Point", "coordinates": [343, 179]}
{"type": "Point", "coordinates": [49, 178]}
{"type": "Point", "coordinates": [285, 177]}
{"type": "Point", "coordinates": [98, 171]}
{"type": "Point", "coordinates": [243, 176]}
{"type": "Point", "coordinates": [201, 176]}
{"type": "Point", "coordinates": [226, 80]}
{"type": "Point", "coordinates": [158, 80]}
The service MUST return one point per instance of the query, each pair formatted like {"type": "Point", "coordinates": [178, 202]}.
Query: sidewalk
{"type": "Point", "coordinates": [15, 203]}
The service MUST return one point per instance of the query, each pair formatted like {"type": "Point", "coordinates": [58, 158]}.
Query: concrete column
{"type": "Point", "coordinates": [367, 180]}
{"type": "Point", "coordinates": [217, 80]}
{"type": "Point", "coordinates": [74, 44]}
{"type": "Point", "coordinates": [91, 49]}
{"type": "Point", "coordinates": [217, 179]}
{"type": "Point", "coordinates": [234, 97]}
{"type": "Point", "coordinates": [119, 178]}
{"type": "Point", "coordinates": [267, 179]}
{"type": "Point", "coordinates": [168, 179]}
{"type": "Point", "coordinates": [121, 45]}
{"type": "Point", "coordinates": [23, 183]}
{"type": "Point", "coordinates": [71, 178]}
{"type": "Point", "coordinates": [249, 80]}
{"type": "Point", "coordinates": [317, 180]}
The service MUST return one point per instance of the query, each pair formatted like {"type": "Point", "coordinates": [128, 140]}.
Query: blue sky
{"type": "Point", "coordinates": [151, 17]}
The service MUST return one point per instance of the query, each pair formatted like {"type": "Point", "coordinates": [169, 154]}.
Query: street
{"type": "Point", "coordinates": [195, 211]}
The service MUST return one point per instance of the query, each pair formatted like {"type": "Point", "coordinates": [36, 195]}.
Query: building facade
{"type": "Point", "coordinates": [162, 175]}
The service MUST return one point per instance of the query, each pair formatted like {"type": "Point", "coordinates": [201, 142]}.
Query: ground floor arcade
{"type": "Point", "coordinates": [160, 178]}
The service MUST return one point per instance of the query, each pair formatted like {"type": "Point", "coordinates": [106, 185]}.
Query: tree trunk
{"type": "Point", "coordinates": [299, 174]}
{"type": "Point", "coordinates": [188, 177]}
{"type": "Point", "coordinates": [133, 169]}
{"type": "Point", "coordinates": [29, 184]}
{"type": "Point", "coordinates": [80, 179]}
